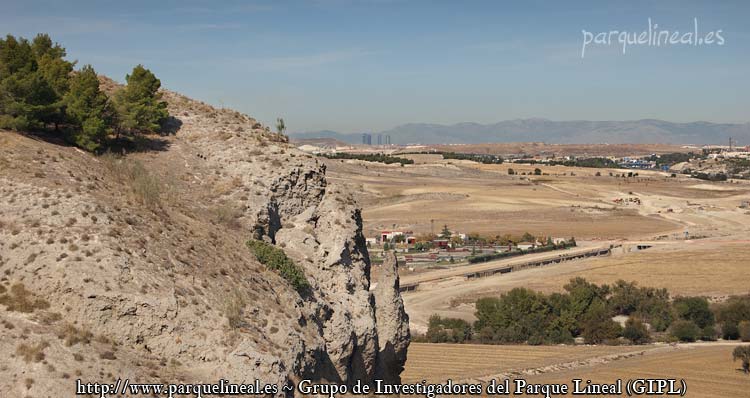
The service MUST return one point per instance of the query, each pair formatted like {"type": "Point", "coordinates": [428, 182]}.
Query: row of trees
{"type": "Point", "coordinates": [371, 157]}
{"type": "Point", "coordinates": [548, 246]}
{"type": "Point", "coordinates": [670, 159]}
{"type": "Point", "coordinates": [596, 162]}
{"type": "Point", "coordinates": [537, 172]}
{"type": "Point", "coordinates": [39, 89]}
{"type": "Point", "coordinates": [586, 310]}
{"type": "Point", "coordinates": [476, 157]}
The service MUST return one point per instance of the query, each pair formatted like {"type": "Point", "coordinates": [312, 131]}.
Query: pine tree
{"type": "Point", "coordinates": [56, 71]}
{"type": "Point", "coordinates": [139, 104]}
{"type": "Point", "coordinates": [445, 233]}
{"type": "Point", "coordinates": [87, 109]}
{"type": "Point", "coordinates": [33, 79]}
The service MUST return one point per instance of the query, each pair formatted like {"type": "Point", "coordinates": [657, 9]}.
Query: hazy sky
{"type": "Point", "coordinates": [356, 65]}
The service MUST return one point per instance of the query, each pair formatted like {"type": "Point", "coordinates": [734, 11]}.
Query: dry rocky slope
{"type": "Point", "coordinates": [136, 266]}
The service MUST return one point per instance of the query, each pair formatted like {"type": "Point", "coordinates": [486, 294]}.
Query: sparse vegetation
{"type": "Point", "coordinates": [147, 188]}
{"type": "Point", "coordinates": [233, 310]}
{"type": "Point", "coordinates": [275, 259]}
{"type": "Point", "coordinates": [72, 335]}
{"type": "Point", "coordinates": [32, 353]}
{"type": "Point", "coordinates": [21, 300]}
{"type": "Point", "coordinates": [228, 214]}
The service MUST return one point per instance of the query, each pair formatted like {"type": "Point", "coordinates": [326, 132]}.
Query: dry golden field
{"type": "Point", "coordinates": [438, 362]}
{"type": "Point", "coordinates": [563, 202]}
{"type": "Point", "coordinates": [708, 371]}
{"type": "Point", "coordinates": [471, 197]}
{"type": "Point", "coordinates": [713, 269]}
{"type": "Point", "coordinates": [707, 368]}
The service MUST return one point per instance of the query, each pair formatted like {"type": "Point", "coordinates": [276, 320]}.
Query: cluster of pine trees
{"type": "Point", "coordinates": [40, 90]}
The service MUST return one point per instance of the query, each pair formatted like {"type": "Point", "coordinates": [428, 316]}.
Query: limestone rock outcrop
{"type": "Point", "coordinates": [139, 266]}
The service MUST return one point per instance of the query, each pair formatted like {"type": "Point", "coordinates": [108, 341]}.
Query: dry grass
{"type": "Point", "coordinates": [227, 214]}
{"type": "Point", "coordinates": [147, 188]}
{"type": "Point", "coordinates": [72, 335]}
{"type": "Point", "coordinates": [32, 353]}
{"type": "Point", "coordinates": [234, 305]}
{"type": "Point", "coordinates": [21, 300]}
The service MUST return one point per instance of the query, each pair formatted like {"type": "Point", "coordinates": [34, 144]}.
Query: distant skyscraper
{"type": "Point", "coordinates": [380, 139]}
{"type": "Point", "coordinates": [366, 139]}
{"type": "Point", "coordinates": [388, 139]}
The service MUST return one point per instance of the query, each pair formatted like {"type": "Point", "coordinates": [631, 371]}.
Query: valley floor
{"type": "Point", "coordinates": [696, 232]}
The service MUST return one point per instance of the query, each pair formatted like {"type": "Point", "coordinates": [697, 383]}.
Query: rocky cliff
{"type": "Point", "coordinates": [136, 265]}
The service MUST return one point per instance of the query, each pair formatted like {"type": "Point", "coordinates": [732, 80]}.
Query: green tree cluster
{"type": "Point", "coordinates": [696, 310]}
{"type": "Point", "coordinates": [33, 80]}
{"type": "Point", "coordinates": [586, 310]}
{"type": "Point", "coordinates": [447, 330]}
{"type": "Point", "coordinates": [730, 314]}
{"type": "Point", "coordinates": [522, 315]}
{"type": "Point", "coordinates": [39, 90]}
{"type": "Point", "coordinates": [479, 158]}
{"type": "Point", "coordinates": [372, 157]}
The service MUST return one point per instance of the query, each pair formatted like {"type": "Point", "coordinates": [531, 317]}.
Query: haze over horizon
{"type": "Point", "coordinates": [356, 65]}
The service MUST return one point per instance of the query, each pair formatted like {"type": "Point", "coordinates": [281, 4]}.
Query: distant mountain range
{"type": "Point", "coordinates": [556, 132]}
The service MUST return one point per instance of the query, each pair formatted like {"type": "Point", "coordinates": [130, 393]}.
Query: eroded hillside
{"type": "Point", "coordinates": [136, 266]}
